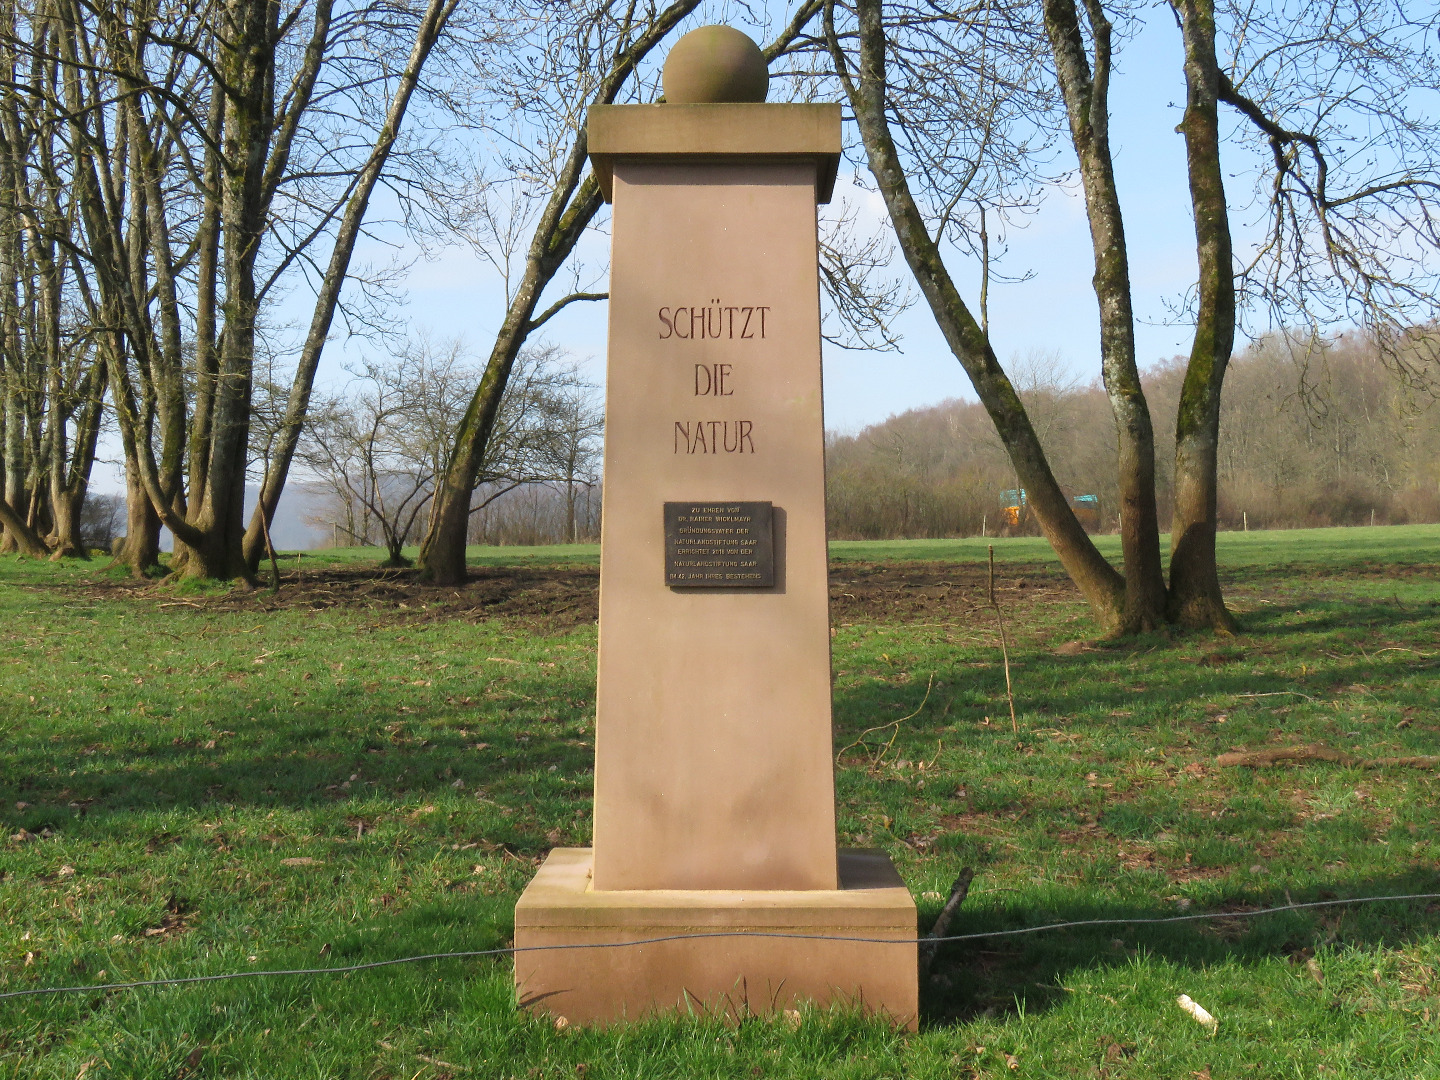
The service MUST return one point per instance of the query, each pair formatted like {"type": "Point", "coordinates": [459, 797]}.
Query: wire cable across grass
{"type": "Point", "coordinates": [512, 950]}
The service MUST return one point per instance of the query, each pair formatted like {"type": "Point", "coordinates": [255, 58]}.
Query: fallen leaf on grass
{"type": "Point", "coordinates": [176, 920]}
{"type": "Point", "coordinates": [301, 860]}
{"type": "Point", "coordinates": [1011, 1061]}
{"type": "Point", "coordinates": [1198, 1011]}
{"type": "Point", "coordinates": [192, 1062]}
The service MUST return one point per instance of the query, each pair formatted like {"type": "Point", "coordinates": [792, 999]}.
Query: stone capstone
{"type": "Point", "coordinates": [715, 64]}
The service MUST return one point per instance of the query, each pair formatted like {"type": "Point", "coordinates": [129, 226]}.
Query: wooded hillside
{"type": "Point", "coordinates": [1310, 435]}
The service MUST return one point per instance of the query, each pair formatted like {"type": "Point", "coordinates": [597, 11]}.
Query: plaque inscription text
{"type": "Point", "coordinates": [719, 544]}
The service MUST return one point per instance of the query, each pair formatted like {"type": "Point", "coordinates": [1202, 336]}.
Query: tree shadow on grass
{"type": "Point", "coordinates": [1177, 696]}
{"type": "Point", "coordinates": [304, 756]}
{"type": "Point", "coordinates": [1032, 972]}
{"type": "Point", "coordinates": [289, 754]}
{"type": "Point", "coordinates": [362, 760]}
{"type": "Point", "coordinates": [1111, 675]}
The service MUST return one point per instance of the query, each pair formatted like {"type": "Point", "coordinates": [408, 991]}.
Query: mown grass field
{"type": "Point", "coordinates": [359, 768]}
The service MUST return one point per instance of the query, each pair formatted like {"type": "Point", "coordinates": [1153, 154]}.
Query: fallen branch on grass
{"type": "Point", "coordinates": [1255, 759]}
{"type": "Point", "coordinates": [958, 892]}
{"type": "Point", "coordinates": [875, 764]}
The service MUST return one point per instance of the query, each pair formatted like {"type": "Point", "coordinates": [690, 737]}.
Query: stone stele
{"type": "Point", "coordinates": [714, 786]}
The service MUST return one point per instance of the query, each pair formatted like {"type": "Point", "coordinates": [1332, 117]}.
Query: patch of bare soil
{"type": "Point", "coordinates": [540, 599]}
{"type": "Point", "coordinates": [1313, 573]}
{"type": "Point", "coordinates": [939, 592]}
{"type": "Point", "coordinates": [558, 599]}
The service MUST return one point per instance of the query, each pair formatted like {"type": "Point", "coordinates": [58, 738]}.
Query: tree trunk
{"type": "Point", "coordinates": [570, 512]}
{"type": "Point", "coordinates": [1195, 596]}
{"type": "Point", "coordinates": [67, 489]}
{"type": "Point", "coordinates": [150, 246]}
{"type": "Point", "coordinates": [71, 481]}
{"type": "Point", "coordinates": [139, 549]}
{"type": "Point", "coordinates": [66, 541]}
{"type": "Point", "coordinates": [14, 466]}
{"type": "Point", "coordinates": [12, 374]}
{"type": "Point", "coordinates": [207, 266]}
{"type": "Point", "coordinates": [1086, 95]}
{"type": "Point", "coordinates": [1102, 587]}
{"type": "Point", "coordinates": [217, 512]}
{"type": "Point", "coordinates": [25, 539]}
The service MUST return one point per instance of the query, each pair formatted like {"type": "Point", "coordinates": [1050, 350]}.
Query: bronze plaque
{"type": "Point", "coordinates": [719, 544]}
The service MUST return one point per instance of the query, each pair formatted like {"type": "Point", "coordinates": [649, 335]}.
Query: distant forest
{"type": "Point", "coordinates": [1311, 434]}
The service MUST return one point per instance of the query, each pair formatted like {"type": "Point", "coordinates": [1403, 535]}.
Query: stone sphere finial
{"type": "Point", "coordinates": [715, 64]}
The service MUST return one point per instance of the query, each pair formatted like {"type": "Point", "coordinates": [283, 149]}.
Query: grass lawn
{"type": "Point", "coordinates": [360, 767]}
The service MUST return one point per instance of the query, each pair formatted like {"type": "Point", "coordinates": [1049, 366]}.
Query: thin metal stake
{"type": "Point", "coordinates": [1004, 648]}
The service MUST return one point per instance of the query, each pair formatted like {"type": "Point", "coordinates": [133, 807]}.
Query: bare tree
{"type": "Point", "coordinates": [52, 375]}
{"type": "Point", "coordinates": [380, 446]}
{"type": "Point", "coordinates": [1337, 99]}
{"type": "Point", "coordinates": [1083, 58]}
{"type": "Point", "coordinates": [576, 425]}
{"type": "Point", "coordinates": [351, 219]}
{"type": "Point", "coordinates": [575, 58]}
{"type": "Point", "coordinates": [210, 150]}
{"type": "Point", "coordinates": [887, 56]}
{"type": "Point", "coordinates": [101, 519]}
{"type": "Point", "coordinates": [990, 138]}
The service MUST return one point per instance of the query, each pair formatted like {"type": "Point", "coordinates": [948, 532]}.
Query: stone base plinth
{"type": "Point", "coordinates": [719, 976]}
